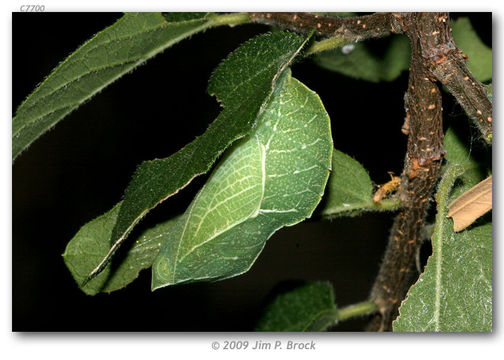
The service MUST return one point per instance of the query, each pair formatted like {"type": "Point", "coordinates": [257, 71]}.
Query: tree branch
{"type": "Point", "coordinates": [448, 65]}
{"type": "Point", "coordinates": [421, 170]}
{"type": "Point", "coordinates": [350, 28]}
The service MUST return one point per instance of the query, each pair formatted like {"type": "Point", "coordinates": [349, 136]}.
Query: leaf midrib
{"type": "Point", "coordinates": [134, 63]}
{"type": "Point", "coordinates": [73, 59]}
{"type": "Point", "coordinates": [452, 172]}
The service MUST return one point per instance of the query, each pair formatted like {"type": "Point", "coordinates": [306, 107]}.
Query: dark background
{"type": "Point", "coordinates": [80, 169]}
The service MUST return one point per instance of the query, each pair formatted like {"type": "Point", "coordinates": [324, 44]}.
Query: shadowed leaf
{"type": "Point", "coordinates": [350, 190]}
{"type": "Point", "coordinates": [90, 245]}
{"type": "Point", "coordinates": [310, 307]}
{"type": "Point", "coordinates": [358, 61]}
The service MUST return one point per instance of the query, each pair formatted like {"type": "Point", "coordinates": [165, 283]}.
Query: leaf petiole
{"type": "Point", "coordinates": [230, 19]}
{"type": "Point", "coordinates": [359, 309]}
{"type": "Point", "coordinates": [326, 44]}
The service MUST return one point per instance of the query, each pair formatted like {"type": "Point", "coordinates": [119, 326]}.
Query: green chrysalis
{"type": "Point", "coordinates": [272, 178]}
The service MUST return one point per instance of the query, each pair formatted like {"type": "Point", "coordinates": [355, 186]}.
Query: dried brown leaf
{"type": "Point", "coordinates": [472, 204]}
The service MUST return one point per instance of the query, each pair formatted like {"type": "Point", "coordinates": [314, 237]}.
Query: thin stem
{"type": "Point", "coordinates": [324, 45]}
{"type": "Point", "coordinates": [230, 19]}
{"type": "Point", "coordinates": [390, 204]}
{"type": "Point", "coordinates": [359, 309]}
{"type": "Point", "coordinates": [451, 173]}
{"type": "Point", "coordinates": [386, 204]}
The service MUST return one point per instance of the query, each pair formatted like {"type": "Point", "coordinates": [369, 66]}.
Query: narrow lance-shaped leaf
{"type": "Point", "coordinates": [275, 177]}
{"type": "Point", "coordinates": [454, 294]}
{"type": "Point", "coordinates": [107, 56]}
{"type": "Point", "coordinates": [243, 83]}
{"type": "Point", "coordinates": [90, 245]}
{"type": "Point", "coordinates": [310, 307]}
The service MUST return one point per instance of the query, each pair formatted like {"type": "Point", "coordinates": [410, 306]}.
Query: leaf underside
{"type": "Point", "coordinates": [110, 54]}
{"type": "Point", "coordinates": [90, 245]}
{"type": "Point", "coordinates": [454, 293]}
{"type": "Point", "coordinates": [310, 307]}
{"type": "Point", "coordinates": [274, 177]}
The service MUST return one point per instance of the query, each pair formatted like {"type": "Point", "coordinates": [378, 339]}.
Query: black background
{"type": "Point", "coordinates": [80, 169]}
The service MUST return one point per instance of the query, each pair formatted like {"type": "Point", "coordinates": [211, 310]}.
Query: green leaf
{"type": "Point", "coordinates": [310, 307]}
{"type": "Point", "coordinates": [349, 187]}
{"type": "Point", "coordinates": [110, 54]}
{"type": "Point", "coordinates": [479, 55]}
{"type": "Point", "coordinates": [91, 244]}
{"type": "Point", "coordinates": [454, 294]}
{"type": "Point", "coordinates": [183, 16]}
{"type": "Point", "coordinates": [243, 82]}
{"type": "Point", "coordinates": [358, 61]}
{"type": "Point", "coordinates": [350, 190]}
{"type": "Point", "coordinates": [275, 177]}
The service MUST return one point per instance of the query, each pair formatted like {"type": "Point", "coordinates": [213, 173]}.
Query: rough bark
{"type": "Point", "coordinates": [350, 28]}
{"type": "Point", "coordinates": [427, 32]}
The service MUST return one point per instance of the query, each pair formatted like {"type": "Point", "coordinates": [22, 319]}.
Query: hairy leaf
{"type": "Point", "coordinates": [107, 56]}
{"type": "Point", "coordinates": [91, 244]}
{"type": "Point", "coordinates": [243, 82]}
{"type": "Point", "coordinates": [310, 307]}
{"type": "Point", "coordinates": [472, 204]}
{"type": "Point", "coordinates": [275, 177]}
{"type": "Point", "coordinates": [454, 294]}
{"type": "Point", "coordinates": [350, 190]}
{"type": "Point", "coordinates": [183, 16]}
{"type": "Point", "coordinates": [358, 61]}
{"type": "Point", "coordinates": [479, 55]}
